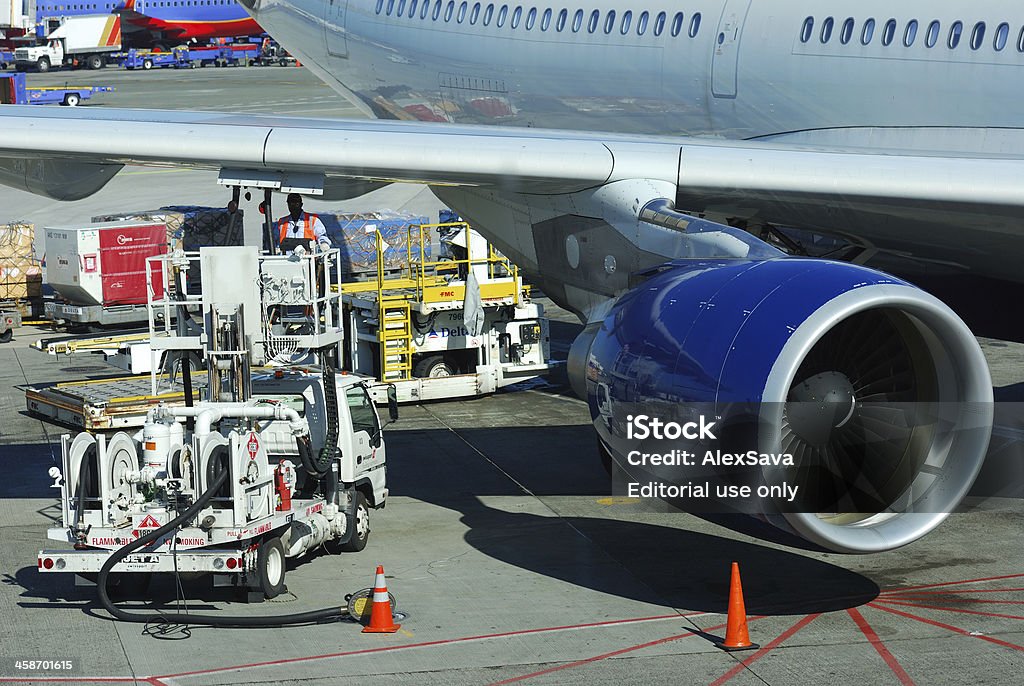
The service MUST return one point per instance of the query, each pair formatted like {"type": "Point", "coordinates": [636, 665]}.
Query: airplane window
{"type": "Point", "coordinates": [933, 34]}
{"type": "Point", "coordinates": [677, 24]}
{"type": "Point", "coordinates": [609, 22]}
{"type": "Point", "coordinates": [517, 15]}
{"type": "Point", "coordinates": [694, 25]}
{"type": "Point", "coordinates": [391, 6]}
{"type": "Point", "coordinates": [502, 13]}
{"type": "Point", "coordinates": [577, 21]}
{"type": "Point", "coordinates": [868, 32]}
{"type": "Point", "coordinates": [462, 12]}
{"type": "Point", "coordinates": [425, 10]}
{"type": "Point", "coordinates": [562, 16]}
{"type": "Point", "coordinates": [488, 13]}
{"type": "Point", "coordinates": [627, 19]}
{"type": "Point", "coordinates": [826, 29]}
{"type": "Point", "coordinates": [1002, 33]}
{"type": "Point", "coordinates": [448, 10]}
{"type": "Point", "coordinates": [545, 21]}
{"type": "Point", "coordinates": [911, 33]}
{"type": "Point", "coordinates": [659, 23]}
{"type": "Point", "coordinates": [1020, 41]}
{"type": "Point", "coordinates": [437, 10]}
{"type": "Point", "coordinates": [595, 19]}
{"type": "Point", "coordinates": [401, 8]}
{"type": "Point", "coordinates": [412, 9]}
{"type": "Point", "coordinates": [531, 18]}
{"type": "Point", "coordinates": [807, 30]}
{"type": "Point", "coordinates": [847, 33]}
{"type": "Point", "coordinates": [889, 32]}
{"type": "Point", "coordinates": [475, 14]}
{"type": "Point", "coordinates": [641, 23]}
{"type": "Point", "coordinates": [977, 35]}
{"type": "Point", "coordinates": [954, 34]}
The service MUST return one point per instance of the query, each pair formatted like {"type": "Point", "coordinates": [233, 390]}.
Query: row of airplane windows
{"type": "Point", "coordinates": [485, 14]}
{"type": "Point", "coordinates": [910, 31]}
{"type": "Point", "coordinates": [112, 5]}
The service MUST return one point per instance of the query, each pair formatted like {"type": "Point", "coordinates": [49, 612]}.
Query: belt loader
{"type": "Point", "coordinates": [269, 466]}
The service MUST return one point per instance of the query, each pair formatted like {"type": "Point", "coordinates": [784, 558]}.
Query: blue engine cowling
{"type": "Point", "coordinates": [733, 333]}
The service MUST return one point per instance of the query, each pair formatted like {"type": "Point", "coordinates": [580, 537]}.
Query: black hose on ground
{"type": "Point", "coordinates": [207, 620]}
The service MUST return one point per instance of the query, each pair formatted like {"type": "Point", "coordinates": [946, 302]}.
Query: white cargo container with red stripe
{"type": "Point", "coordinates": [104, 264]}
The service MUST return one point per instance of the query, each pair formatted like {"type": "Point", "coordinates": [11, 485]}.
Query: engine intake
{"type": "Point", "coordinates": [829, 353]}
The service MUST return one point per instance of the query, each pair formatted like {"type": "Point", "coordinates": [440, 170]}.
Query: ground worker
{"type": "Point", "coordinates": [299, 228]}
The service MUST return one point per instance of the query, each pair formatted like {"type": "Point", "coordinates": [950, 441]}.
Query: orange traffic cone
{"type": "Point", "coordinates": [736, 636]}
{"type": "Point", "coordinates": [381, 620]}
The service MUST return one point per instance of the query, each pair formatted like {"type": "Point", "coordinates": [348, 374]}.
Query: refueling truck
{"type": "Point", "coordinates": [270, 465]}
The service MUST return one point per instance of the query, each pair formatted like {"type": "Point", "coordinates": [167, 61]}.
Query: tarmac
{"type": "Point", "coordinates": [501, 542]}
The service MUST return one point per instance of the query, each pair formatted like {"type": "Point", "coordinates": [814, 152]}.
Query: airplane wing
{"type": "Point", "coordinates": [68, 154]}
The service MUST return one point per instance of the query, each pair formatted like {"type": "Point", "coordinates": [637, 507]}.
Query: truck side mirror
{"type": "Point", "coordinates": [393, 402]}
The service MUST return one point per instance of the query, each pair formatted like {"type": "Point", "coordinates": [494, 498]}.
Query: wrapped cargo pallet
{"type": "Point", "coordinates": [21, 276]}
{"type": "Point", "coordinates": [355, 234]}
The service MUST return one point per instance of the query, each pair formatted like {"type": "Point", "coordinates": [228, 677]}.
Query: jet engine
{"type": "Point", "coordinates": [878, 390]}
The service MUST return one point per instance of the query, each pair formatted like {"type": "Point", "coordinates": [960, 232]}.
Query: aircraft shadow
{"type": "Point", "coordinates": [655, 559]}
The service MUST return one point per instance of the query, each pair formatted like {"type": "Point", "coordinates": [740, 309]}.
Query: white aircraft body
{"type": "Point", "coordinates": [582, 139]}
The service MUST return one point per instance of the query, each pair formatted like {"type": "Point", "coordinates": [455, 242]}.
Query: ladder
{"type": "Point", "coordinates": [394, 332]}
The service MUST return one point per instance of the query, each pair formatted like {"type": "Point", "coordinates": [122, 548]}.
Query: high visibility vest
{"type": "Point", "coordinates": [307, 221]}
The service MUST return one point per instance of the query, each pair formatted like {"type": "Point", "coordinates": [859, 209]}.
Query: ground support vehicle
{"type": "Point", "coordinates": [14, 91]}
{"type": "Point", "coordinates": [107, 404]}
{"type": "Point", "coordinates": [71, 314]}
{"type": "Point", "coordinates": [9, 321]}
{"type": "Point", "coordinates": [424, 350]}
{"type": "Point", "coordinates": [145, 59]}
{"type": "Point", "coordinates": [415, 329]}
{"type": "Point", "coordinates": [82, 41]}
{"type": "Point", "coordinates": [236, 55]}
{"type": "Point", "coordinates": [271, 54]}
{"type": "Point", "coordinates": [269, 467]}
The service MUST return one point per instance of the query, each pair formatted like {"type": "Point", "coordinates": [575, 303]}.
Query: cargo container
{"type": "Point", "coordinates": [100, 270]}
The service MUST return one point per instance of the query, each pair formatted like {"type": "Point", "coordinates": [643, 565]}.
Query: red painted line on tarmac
{"type": "Point", "coordinates": [940, 599]}
{"type": "Point", "coordinates": [879, 647]}
{"type": "Point", "coordinates": [764, 650]}
{"type": "Point", "coordinates": [889, 594]}
{"type": "Point", "coordinates": [951, 583]}
{"type": "Point", "coordinates": [948, 627]}
{"type": "Point", "coordinates": [951, 609]}
{"type": "Point", "coordinates": [74, 680]}
{"type": "Point", "coordinates": [424, 644]}
{"type": "Point", "coordinates": [587, 661]}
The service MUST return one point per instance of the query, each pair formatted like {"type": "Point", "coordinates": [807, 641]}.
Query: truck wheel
{"type": "Point", "coordinates": [270, 565]}
{"type": "Point", "coordinates": [433, 367]}
{"type": "Point", "coordinates": [282, 62]}
{"type": "Point", "coordinates": [362, 532]}
{"type": "Point", "coordinates": [71, 99]}
{"type": "Point", "coordinates": [6, 336]}
{"type": "Point", "coordinates": [147, 64]}
{"type": "Point", "coordinates": [43, 64]}
{"type": "Point", "coordinates": [94, 62]}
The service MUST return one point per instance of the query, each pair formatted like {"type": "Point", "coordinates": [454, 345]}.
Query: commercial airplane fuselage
{"type": "Point", "coordinates": [929, 77]}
